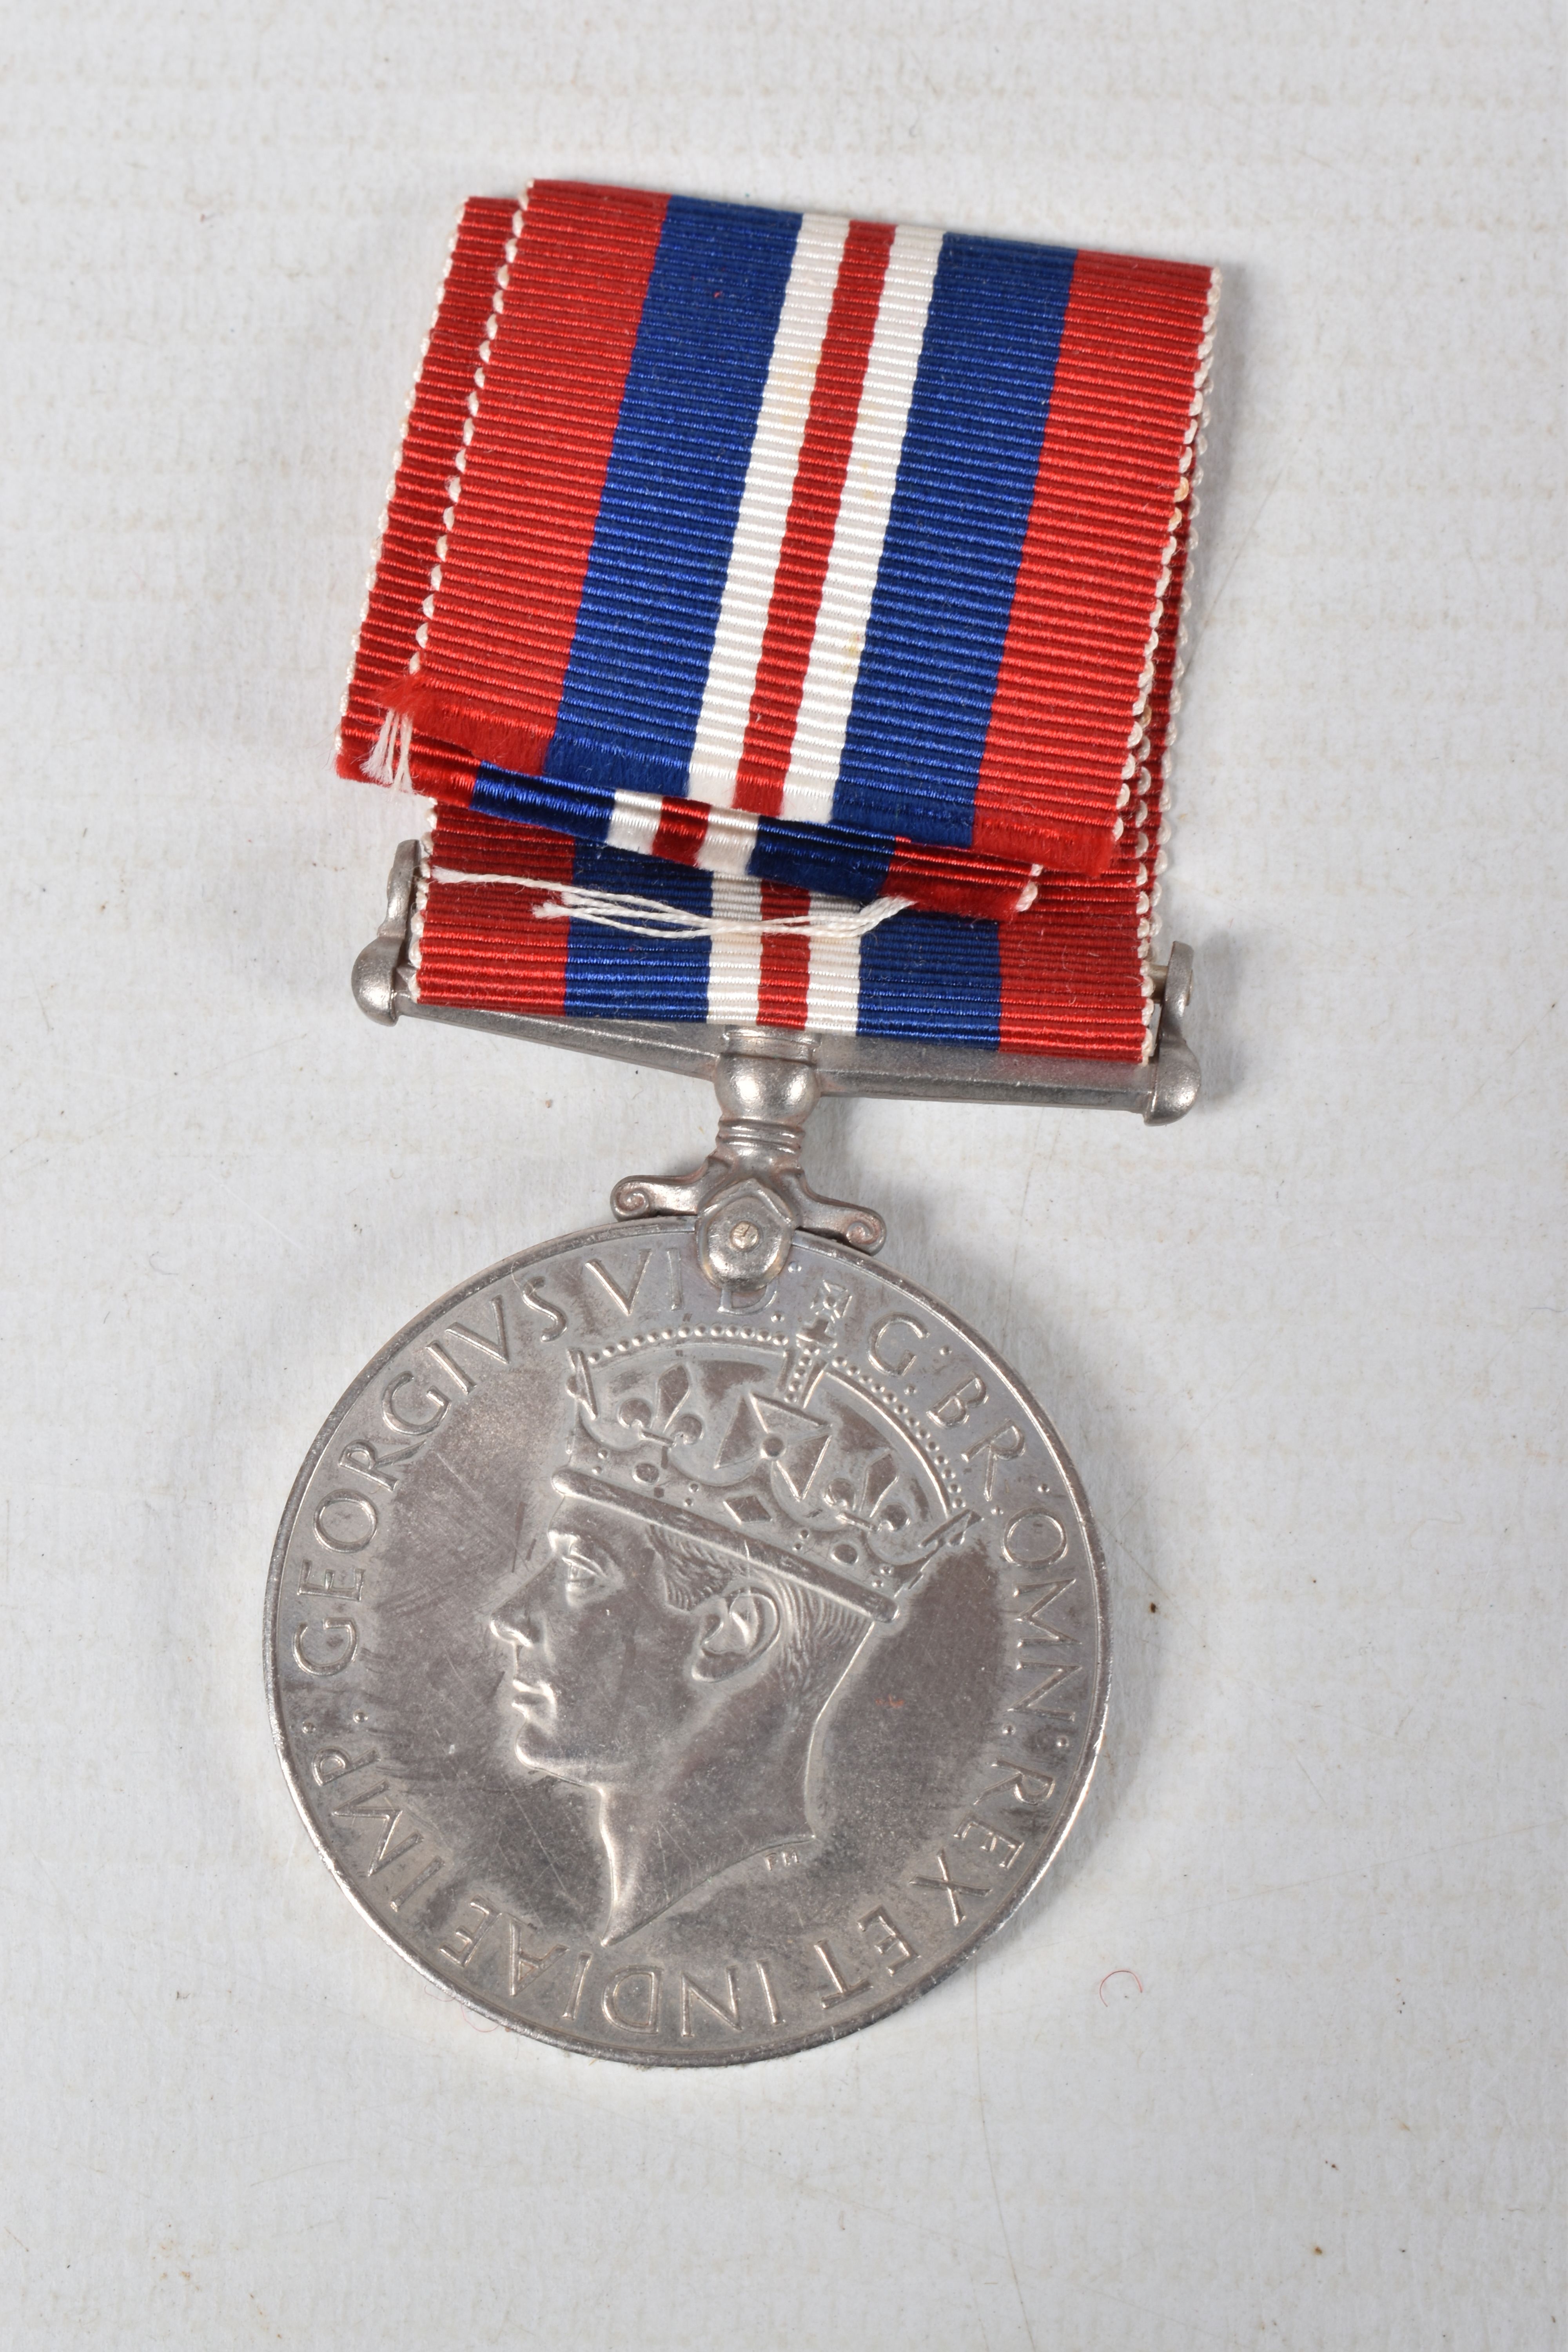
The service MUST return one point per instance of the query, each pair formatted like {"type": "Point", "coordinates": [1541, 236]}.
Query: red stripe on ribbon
{"type": "Point", "coordinates": [954, 882]}
{"type": "Point", "coordinates": [680, 833]}
{"type": "Point", "coordinates": [1071, 968]}
{"type": "Point", "coordinates": [812, 520]}
{"type": "Point", "coordinates": [480, 943]}
{"type": "Point", "coordinates": [785, 960]}
{"type": "Point", "coordinates": [500, 637]}
{"type": "Point", "coordinates": [1071, 971]}
{"type": "Point", "coordinates": [402, 578]}
{"type": "Point", "coordinates": [1121, 402]}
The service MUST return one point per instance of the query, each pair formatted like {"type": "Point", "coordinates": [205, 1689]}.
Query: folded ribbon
{"type": "Point", "coordinates": [1065, 978]}
{"type": "Point", "coordinates": [830, 858]}
{"type": "Point", "coordinates": [803, 551]}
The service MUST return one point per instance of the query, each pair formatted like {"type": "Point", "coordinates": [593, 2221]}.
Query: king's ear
{"type": "Point", "coordinates": [742, 1628]}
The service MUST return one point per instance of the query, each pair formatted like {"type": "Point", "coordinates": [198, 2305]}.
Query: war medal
{"type": "Point", "coordinates": [688, 1640]}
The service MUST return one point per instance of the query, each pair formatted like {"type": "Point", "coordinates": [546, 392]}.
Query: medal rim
{"type": "Point", "coordinates": [829, 2030]}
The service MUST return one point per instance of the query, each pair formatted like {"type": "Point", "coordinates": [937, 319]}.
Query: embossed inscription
{"type": "Point", "coordinates": [522, 1963]}
{"type": "Point", "coordinates": [462, 1942]}
{"type": "Point", "coordinates": [960, 1402]}
{"type": "Point", "coordinates": [405, 1894]}
{"type": "Point", "coordinates": [945, 1884]}
{"type": "Point", "coordinates": [889, 1943]}
{"type": "Point", "coordinates": [396, 1846]}
{"type": "Point", "coordinates": [1051, 1681]}
{"type": "Point", "coordinates": [398, 1408]}
{"type": "Point", "coordinates": [630, 1999]}
{"type": "Point", "coordinates": [884, 1936]}
{"type": "Point", "coordinates": [728, 2008]}
{"type": "Point", "coordinates": [574, 2001]}
{"type": "Point", "coordinates": [775, 2014]}
{"type": "Point", "coordinates": [382, 1465]}
{"type": "Point", "coordinates": [442, 1359]}
{"type": "Point", "coordinates": [843, 1990]}
{"type": "Point", "coordinates": [325, 1645]}
{"type": "Point", "coordinates": [534, 1295]}
{"type": "Point", "coordinates": [334, 1764]}
{"type": "Point", "coordinates": [625, 1299]}
{"type": "Point", "coordinates": [498, 1348]}
{"type": "Point", "coordinates": [1034, 1538]}
{"type": "Point", "coordinates": [1024, 1785]}
{"type": "Point", "coordinates": [994, 1842]}
{"type": "Point", "coordinates": [891, 1354]}
{"type": "Point", "coordinates": [343, 1578]}
{"type": "Point", "coordinates": [507, 1945]}
{"type": "Point", "coordinates": [402, 1838]}
{"type": "Point", "coordinates": [1004, 1444]}
{"type": "Point", "coordinates": [346, 1522]}
{"type": "Point", "coordinates": [1039, 1598]}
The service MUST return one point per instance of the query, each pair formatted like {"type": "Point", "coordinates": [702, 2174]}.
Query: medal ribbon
{"type": "Point", "coordinates": [739, 559]}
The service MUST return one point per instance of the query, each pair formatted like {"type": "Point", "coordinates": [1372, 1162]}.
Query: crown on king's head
{"type": "Point", "coordinates": [792, 1470]}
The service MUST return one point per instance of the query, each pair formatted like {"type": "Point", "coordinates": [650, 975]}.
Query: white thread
{"type": "Point", "coordinates": [831, 922]}
{"type": "Point", "coordinates": [377, 767]}
{"type": "Point", "coordinates": [388, 762]}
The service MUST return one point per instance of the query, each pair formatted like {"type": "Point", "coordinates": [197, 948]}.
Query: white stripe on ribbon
{"type": "Point", "coordinates": [764, 509]}
{"type": "Point", "coordinates": [851, 581]}
{"type": "Point", "coordinates": [736, 957]}
{"type": "Point", "coordinates": [833, 975]}
{"type": "Point", "coordinates": [725, 848]}
{"type": "Point", "coordinates": [728, 843]}
{"type": "Point", "coordinates": [633, 821]}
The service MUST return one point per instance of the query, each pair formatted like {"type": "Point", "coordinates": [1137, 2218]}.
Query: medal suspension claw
{"type": "Point", "coordinates": [749, 1194]}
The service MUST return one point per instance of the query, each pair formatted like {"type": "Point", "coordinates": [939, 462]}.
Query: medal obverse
{"type": "Point", "coordinates": [686, 1672]}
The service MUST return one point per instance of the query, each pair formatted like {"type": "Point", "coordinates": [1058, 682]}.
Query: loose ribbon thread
{"type": "Point", "coordinates": [652, 919]}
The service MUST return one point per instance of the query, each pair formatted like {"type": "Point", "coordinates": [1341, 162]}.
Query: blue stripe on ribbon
{"type": "Point", "coordinates": [621, 976]}
{"type": "Point", "coordinates": [843, 865]}
{"type": "Point", "coordinates": [955, 530]}
{"type": "Point", "coordinates": [581, 810]}
{"type": "Point", "coordinates": [633, 692]}
{"type": "Point", "coordinates": [809, 858]}
{"type": "Point", "coordinates": [932, 976]}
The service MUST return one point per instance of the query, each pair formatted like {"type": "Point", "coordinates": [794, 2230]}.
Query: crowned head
{"type": "Point", "coordinates": [807, 1479]}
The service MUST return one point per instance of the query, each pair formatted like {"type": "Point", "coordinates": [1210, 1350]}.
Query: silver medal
{"type": "Point", "coordinates": [686, 1642]}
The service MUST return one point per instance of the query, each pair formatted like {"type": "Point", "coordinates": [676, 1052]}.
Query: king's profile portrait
{"type": "Point", "coordinates": [730, 1534]}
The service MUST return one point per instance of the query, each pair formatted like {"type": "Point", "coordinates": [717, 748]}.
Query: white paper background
{"type": "Point", "coordinates": [1305, 1346]}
